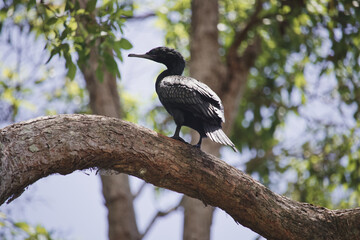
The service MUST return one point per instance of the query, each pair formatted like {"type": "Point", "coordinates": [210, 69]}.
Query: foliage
{"type": "Point", "coordinates": [130, 107]}
{"type": "Point", "coordinates": [309, 63]}
{"type": "Point", "coordinates": [67, 29]}
{"type": "Point", "coordinates": [21, 230]}
{"type": "Point", "coordinates": [174, 17]}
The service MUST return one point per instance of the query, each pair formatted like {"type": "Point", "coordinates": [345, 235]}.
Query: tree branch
{"type": "Point", "coordinates": [240, 36]}
{"type": "Point", "coordinates": [65, 143]}
{"type": "Point", "coordinates": [139, 17]}
{"type": "Point", "coordinates": [143, 185]}
{"type": "Point", "coordinates": [160, 214]}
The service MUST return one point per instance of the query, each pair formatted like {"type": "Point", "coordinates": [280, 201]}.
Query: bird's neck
{"type": "Point", "coordinates": [171, 71]}
{"type": "Point", "coordinates": [176, 68]}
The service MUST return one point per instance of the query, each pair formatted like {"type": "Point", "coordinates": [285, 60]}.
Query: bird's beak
{"type": "Point", "coordinates": [141, 56]}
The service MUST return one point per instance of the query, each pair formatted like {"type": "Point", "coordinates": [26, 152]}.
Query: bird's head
{"type": "Point", "coordinates": [167, 56]}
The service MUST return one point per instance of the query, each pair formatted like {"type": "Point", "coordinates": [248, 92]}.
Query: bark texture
{"type": "Point", "coordinates": [104, 100]}
{"type": "Point", "coordinates": [65, 143]}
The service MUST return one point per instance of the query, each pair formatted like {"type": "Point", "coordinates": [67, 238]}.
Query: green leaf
{"type": "Point", "coordinates": [69, 6]}
{"type": "Point", "coordinates": [71, 67]}
{"type": "Point", "coordinates": [111, 64]}
{"type": "Point", "coordinates": [99, 73]}
{"type": "Point", "coordinates": [53, 53]}
{"type": "Point", "coordinates": [71, 70]}
{"type": "Point", "coordinates": [118, 53]}
{"type": "Point", "coordinates": [30, 4]}
{"type": "Point", "coordinates": [300, 81]}
{"type": "Point", "coordinates": [51, 21]}
{"type": "Point", "coordinates": [65, 33]}
{"type": "Point", "coordinates": [80, 11]}
{"type": "Point", "coordinates": [41, 230]}
{"type": "Point", "coordinates": [23, 226]}
{"type": "Point", "coordinates": [90, 6]}
{"type": "Point", "coordinates": [125, 44]}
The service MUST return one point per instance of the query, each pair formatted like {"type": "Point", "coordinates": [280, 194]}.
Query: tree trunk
{"type": "Point", "coordinates": [62, 144]}
{"type": "Point", "coordinates": [104, 100]}
{"type": "Point", "coordinates": [197, 219]}
{"type": "Point", "coordinates": [227, 80]}
{"type": "Point", "coordinates": [204, 64]}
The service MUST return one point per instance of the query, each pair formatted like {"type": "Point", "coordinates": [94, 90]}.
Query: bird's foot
{"type": "Point", "coordinates": [178, 138]}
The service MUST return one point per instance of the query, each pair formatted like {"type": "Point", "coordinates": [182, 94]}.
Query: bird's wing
{"type": "Point", "coordinates": [191, 95]}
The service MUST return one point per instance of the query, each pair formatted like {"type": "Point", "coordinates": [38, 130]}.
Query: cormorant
{"type": "Point", "coordinates": [190, 102]}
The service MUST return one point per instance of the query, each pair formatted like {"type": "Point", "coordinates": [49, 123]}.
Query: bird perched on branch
{"type": "Point", "coordinates": [190, 102]}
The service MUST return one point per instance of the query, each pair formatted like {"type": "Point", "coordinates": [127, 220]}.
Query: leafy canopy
{"type": "Point", "coordinates": [69, 27]}
{"type": "Point", "coordinates": [69, 30]}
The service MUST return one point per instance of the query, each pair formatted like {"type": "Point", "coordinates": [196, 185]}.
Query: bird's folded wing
{"type": "Point", "coordinates": [191, 95]}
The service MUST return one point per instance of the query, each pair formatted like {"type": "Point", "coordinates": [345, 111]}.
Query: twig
{"type": "Point", "coordinates": [139, 190]}
{"type": "Point", "coordinates": [160, 214]}
{"type": "Point", "coordinates": [139, 17]}
{"type": "Point", "coordinates": [241, 35]}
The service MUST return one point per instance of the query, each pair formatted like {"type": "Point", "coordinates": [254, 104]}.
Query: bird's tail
{"type": "Point", "coordinates": [216, 134]}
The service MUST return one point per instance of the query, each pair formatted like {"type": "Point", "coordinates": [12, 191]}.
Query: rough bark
{"type": "Point", "coordinates": [65, 143]}
{"type": "Point", "coordinates": [104, 100]}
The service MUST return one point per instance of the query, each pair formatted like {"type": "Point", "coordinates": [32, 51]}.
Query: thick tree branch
{"type": "Point", "coordinates": [62, 144]}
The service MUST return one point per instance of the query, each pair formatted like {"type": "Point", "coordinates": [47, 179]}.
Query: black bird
{"type": "Point", "coordinates": [190, 102]}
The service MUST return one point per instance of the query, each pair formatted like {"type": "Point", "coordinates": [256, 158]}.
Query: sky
{"type": "Point", "coordinates": [72, 206]}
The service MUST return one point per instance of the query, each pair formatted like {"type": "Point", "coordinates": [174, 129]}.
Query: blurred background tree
{"type": "Point", "coordinates": [287, 72]}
